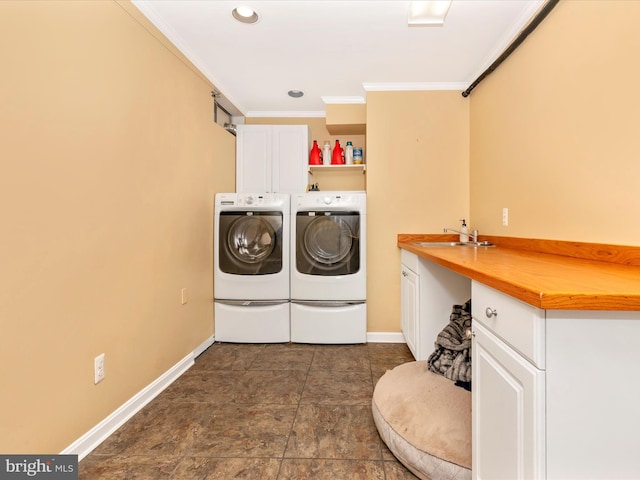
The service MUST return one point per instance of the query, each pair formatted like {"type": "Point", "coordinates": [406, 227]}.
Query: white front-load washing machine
{"type": "Point", "coordinates": [251, 267]}
{"type": "Point", "coordinates": [328, 267]}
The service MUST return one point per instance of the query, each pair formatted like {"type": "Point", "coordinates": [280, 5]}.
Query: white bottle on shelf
{"type": "Point", "coordinates": [348, 154]}
{"type": "Point", "coordinates": [326, 153]}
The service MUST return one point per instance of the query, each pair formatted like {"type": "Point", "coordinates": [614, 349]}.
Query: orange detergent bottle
{"type": "Point", "coordinates": [315, 157]}
{"type": "Point", "coordinates": [338, 154]}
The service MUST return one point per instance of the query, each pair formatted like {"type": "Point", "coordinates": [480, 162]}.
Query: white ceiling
{"type": "Point", "coordinates": [333, 50]}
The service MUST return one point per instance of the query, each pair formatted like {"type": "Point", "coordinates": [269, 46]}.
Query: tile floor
{"type": "Point", "coordinates": [264, 412]}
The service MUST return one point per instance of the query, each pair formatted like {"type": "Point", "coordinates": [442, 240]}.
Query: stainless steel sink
{"type": "Point", "coordinates": [439, 244]}
{"type": "Point", "coordinates": [453, 244]}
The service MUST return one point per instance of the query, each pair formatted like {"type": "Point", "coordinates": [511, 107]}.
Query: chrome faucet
{"type": "Point", "coordinates": [473, 234]}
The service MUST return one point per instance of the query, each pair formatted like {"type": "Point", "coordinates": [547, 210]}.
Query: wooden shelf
{"type": "Point", "coordinates": [359, 166]}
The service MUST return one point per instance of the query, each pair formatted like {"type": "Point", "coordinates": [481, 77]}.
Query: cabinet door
{"type": "Point", "coordinates": [253, 159]}
{"type": "Point", "coordinates": [272, 158]}
{"type": "Point", "coordinates": [508, 397]}
{"type": "Point", "coordinates": [290, 156]}
{"type": "Point", "coordinates": [410, 307]}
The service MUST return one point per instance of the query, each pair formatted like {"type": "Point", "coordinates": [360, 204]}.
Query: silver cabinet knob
{"type": "Point", "coordinates": [490, 312]}
{"type": "Point", "coordinates": [404, 274]}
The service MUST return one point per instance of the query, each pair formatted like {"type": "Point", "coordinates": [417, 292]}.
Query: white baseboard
{"type": "Point", "coordinates": [199, 350]}
{"type": "Point", "coordinates": [98, 434]}
{"type": "Point", "coordinates": [385, 337]}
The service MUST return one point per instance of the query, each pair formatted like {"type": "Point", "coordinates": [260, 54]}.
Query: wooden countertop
{"type": "Point", "coordinates": [552, 275]}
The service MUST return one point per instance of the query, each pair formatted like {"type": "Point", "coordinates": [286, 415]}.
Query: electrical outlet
{"type": "Point", "coordinates": [98, 369]}
{"type": "Point", "coordinates": [183, 296]}
{"type": "Point", "coordinates": [505, 217]}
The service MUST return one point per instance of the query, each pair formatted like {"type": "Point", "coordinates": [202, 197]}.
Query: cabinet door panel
{"type": "Point", "coordinates": [290, 158]}
{"type": "Point", "coordinates": [253, 159]}
{"type": "Point", "coordinates": [410, 307]}
{"type": "Point", "coordinates": [508, 412]}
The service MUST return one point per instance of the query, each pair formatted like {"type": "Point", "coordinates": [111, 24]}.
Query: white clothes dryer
{"type": "Point", "coordinates": [328, 267]}
{"type": "Point", "coordinates": [251, 267]}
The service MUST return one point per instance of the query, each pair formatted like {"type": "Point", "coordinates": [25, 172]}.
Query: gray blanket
{"type": "Point", "coordinates": [452, 356]}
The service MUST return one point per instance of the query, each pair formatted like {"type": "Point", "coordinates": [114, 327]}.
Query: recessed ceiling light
{"type": "Point", "coordinates": [245, 15]}
{"type": "Point", "coordinates": [295, 93]}
{"type": "Point", "coordinates": [428, 12]}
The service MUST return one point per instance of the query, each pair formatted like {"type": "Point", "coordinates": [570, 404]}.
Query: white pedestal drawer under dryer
{"type": "Point", "coordinates": [328, 267]}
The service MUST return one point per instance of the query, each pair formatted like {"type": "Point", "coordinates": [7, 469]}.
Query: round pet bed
{"type": "Point", "coordinates": [425, 420]}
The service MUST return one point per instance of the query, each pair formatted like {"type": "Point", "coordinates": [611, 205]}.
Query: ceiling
{"type": "Point", "coordinates": [335, 51]}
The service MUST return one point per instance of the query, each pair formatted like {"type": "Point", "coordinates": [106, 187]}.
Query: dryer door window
{"type": "Point", "coordinates": [250, 242]}
{"type": "Point", "coordinates": [328, 243]}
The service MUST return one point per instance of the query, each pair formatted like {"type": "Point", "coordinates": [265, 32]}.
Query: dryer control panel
{"type": "Point", "coordinates": [349, 200]}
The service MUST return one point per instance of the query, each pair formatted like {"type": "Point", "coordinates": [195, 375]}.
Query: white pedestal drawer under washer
{"type": "Point", "coordinates": [251, 267]}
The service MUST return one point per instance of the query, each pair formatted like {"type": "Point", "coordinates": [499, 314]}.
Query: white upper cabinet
{"type": "Point", "coordinates": [272, 158]}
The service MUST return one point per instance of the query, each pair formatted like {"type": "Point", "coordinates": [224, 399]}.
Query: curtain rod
{"type": "Point", "coordinates": [537, 20]}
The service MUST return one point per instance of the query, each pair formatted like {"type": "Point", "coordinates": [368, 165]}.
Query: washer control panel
{"type": "Point", "coordinates": [252, 199]}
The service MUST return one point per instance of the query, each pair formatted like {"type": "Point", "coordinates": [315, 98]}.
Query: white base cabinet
{"type": "Point", "coordinates": [508, 411]}
{"type": "Point", "coordinates": [428, 292]}
{"type": "Point", "coordinates": [410, 300]}
{"type": "Point", "coordinates": [555, 393]}
{"type": "Point", "coordinates": [272, 158]}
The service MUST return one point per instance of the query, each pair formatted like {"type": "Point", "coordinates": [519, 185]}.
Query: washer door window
{"type": "Point", "coordinates": [250, 243]}
{"type": "Point", "coordinates": [328, 243]}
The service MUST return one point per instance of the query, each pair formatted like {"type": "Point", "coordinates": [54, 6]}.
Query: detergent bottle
{"type": "Point", "coordinates": [326, 154]}
{"type": "Point", "coordinates": [338, 154]}
{"type": "Point", "coordinates": [348, 154]}
{"type": "Point", "coordinates": [315, 157]}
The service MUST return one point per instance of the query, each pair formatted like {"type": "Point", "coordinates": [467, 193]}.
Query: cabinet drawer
{"type": "Point", "coordinates": [520, 325]}
{"type": "Point", "coordinates": [409, 260]}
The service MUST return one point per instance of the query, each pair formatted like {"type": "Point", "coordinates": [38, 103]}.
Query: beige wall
{"type": "Point", "coordinates": [554, 131]}
{"type": "Point", "coordinates": [110, 159]}
{"type": "Point", "coordinates": [417, 182]}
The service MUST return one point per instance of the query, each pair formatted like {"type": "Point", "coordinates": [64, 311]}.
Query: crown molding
{"type": "Point", "coordinates": [284, 114]}
{"type": "Point", "coordinates": [413, 86]}
{"type": "Point", "coordinates": [527, 15]}
{"type": "Point", "coordinates": [147, 9]}
{"type": "Point", "coordinates": [344, 100]}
